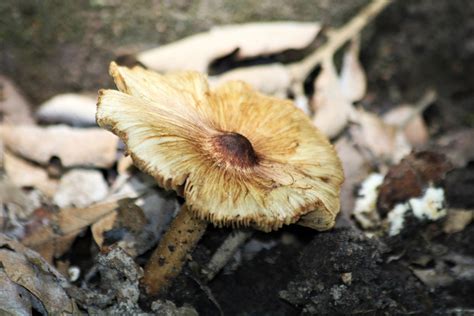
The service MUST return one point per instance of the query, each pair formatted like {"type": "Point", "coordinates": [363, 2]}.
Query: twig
{"type": "Point", "coordinates": [208, 292]}
{"type": "Point", "coordinates": [225, 252]}
{"type": "Point", "coordinates": [300, 70]}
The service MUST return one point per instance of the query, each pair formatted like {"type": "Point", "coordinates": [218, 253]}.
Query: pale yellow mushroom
{"type": "Point", "coordinates": [238, 157]}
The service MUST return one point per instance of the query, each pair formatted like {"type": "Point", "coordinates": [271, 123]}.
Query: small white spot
{"type": "Point", "coordinates": [74, 273]}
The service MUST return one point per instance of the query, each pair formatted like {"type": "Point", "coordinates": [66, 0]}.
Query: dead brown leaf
{"type": "Point", "coordinates": [244, 41]}
{"type": "Point", "coordinates": [458, 146]}
{"type": "Point", "coordinates": [416, 131]}
{"type": "Point", "coordinates": [383, 141]}
{"type": "Point", "coordinates": [80, 188]}
{"type": "Point", "coordinates": [352, 78]}
{"type": "Point", "coordinates": [457, 220]}
{"type": "Point", "coordinates": [29, 270]}
{"type": "Point", "coordinates": [14, 300]}
{"type": "Point", "coordinates": [73, 146]}
{"type": "Point", "coordinates": [25, 174]}
{"type": "Point", "coordinates": [48, 226]}
{"type": "Point", "coordinates": [332, 109]}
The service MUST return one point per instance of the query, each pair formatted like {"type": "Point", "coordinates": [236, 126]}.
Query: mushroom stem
{"type": "Point", "coordinates": [169, 257]}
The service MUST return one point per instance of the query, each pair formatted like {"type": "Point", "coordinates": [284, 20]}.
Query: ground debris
{"type": "Point", "coordinates": [374, 286]}
{"type": "Point", "coordinates": [410, 177]}
{"type": "Point", "coordinates": [14, 108]}
{"type": "Point", "coordinates": [29, 270]}
{"type": "Point", "coordinates": [242, 41]}
{"type": "Point", "coordinates": [69, 108]}
{"type": "Point", "coordinates": [80, 188]}
{"type": "Point", "coordinates": [90, 147]}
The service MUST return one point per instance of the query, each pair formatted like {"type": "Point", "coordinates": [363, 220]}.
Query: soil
{"type": "Point", "coordinates": [412, 46]}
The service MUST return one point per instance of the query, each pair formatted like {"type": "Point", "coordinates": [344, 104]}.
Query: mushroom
{"type": "Point", "coordinates": [237, 157]}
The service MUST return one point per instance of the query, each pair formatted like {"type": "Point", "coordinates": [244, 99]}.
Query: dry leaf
{"type": "Point", "coordinates": [416, 131]}
{"type": "Point", "coordinates": [271, 79]}
{"type": "Point", "coordinates": [383, 141]}
{"type": "Point", "coordinates": [124, 164]}
{"type": "Point", "coordinates": [68, 221]}
{"type": "Point", "coordinates": [458, 146]}
{"type": "Point", "coordinates": [352, 78]}
{"type": "Point", "coordinates": [137, 225]}
{"type": "Point", "coordinates": [27, 269]}
{"type": "Point", "coordinates": [14, 108]}
{"type": "Point", "coordinates": [25, 174]}
{"type": "Point", "coordinates": [73, 146]}
{"type": "Point", "coordinates": [356, 169]}
{"type": "Point", "coordinates": [448, 269]}
{"type": "Point", "coordinates": [15, 208]}
{"type": "Point", "coordinates": [457, 220]}
{"type": "Point", "coordinates": [70, 108]}
{"type": "Point", "coordinates": [14, 300]}
{"type": "Point", "coordinates": [80, 188]}
{"type": "Point", "coordinates": [246, 40]}
{"type": "Point", "coordinates": [101, 226]}
{"type": "Point", "coordinates": [332, 109]}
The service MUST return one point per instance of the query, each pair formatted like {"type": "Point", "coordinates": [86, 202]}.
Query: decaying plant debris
{"type": "Point", "coordinates": [79, 221]}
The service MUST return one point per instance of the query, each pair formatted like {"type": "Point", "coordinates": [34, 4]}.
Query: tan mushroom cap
{"type": "Point", "coordinates": [238, 157]}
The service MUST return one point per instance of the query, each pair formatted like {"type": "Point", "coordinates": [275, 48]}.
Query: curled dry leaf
{"type": "Point", "coordinates": [457, 146]}
{"type": "Point", "coordinates": [80, 188]}
{"type": "Point", "coordinates": [69, 108]}
{"type": "Point", "coordinates": [245, 40]}
{"type": "Point", "coordinates": [416, 131]}
{"type": "Point", "coordinates": [457, 220]}
{"type": "Point", "coordinates": [356, 169]}
{"type": "Point", "coordinates": [332, 109]}
{"type": "Point", "coordinates": [14, 107]}
{"type": "Point", "coordinates": [448, 269]}
{"type": "Point", "coordinates": [73, 146]}
{"type": "Point", "coordinates": [25, 174]}
{"type": "Point", "coordinates": [384, 141]}
{"type": "Point", "coordinates": [14, 300]}
{"type": "Point", "coordinates": [136, 225]}
{"type": "Point", "coordinates": [29, 270]}
{"type": "Point", "coordinates": [50, 228]}
{"type": "Point", "coordinates": [15, 207]}
{"type": "Point", "coordinates": [352, 78]}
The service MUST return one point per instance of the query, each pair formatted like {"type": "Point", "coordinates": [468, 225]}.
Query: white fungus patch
{"type": "Point", "coordinates": [396, 218]}
{"type": "Point", "coordinates": [430, 206]}
{"type": "Point", "coordinates": [365, 210]}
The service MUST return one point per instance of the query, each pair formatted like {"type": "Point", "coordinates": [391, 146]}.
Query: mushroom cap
{"type": "Point", "coordinates": [238, 157]}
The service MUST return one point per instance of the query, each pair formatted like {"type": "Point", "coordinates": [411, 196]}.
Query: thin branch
{"type": "Point", "coordinates": [300, 70]}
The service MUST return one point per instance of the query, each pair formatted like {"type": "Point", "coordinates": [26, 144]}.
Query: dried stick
{"type": "Point", "coordinates": [225, 252]}
{"type": "Point", "coordinates": [169, 257]}
{"type": "Point", "coordinates": [336, 38]}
